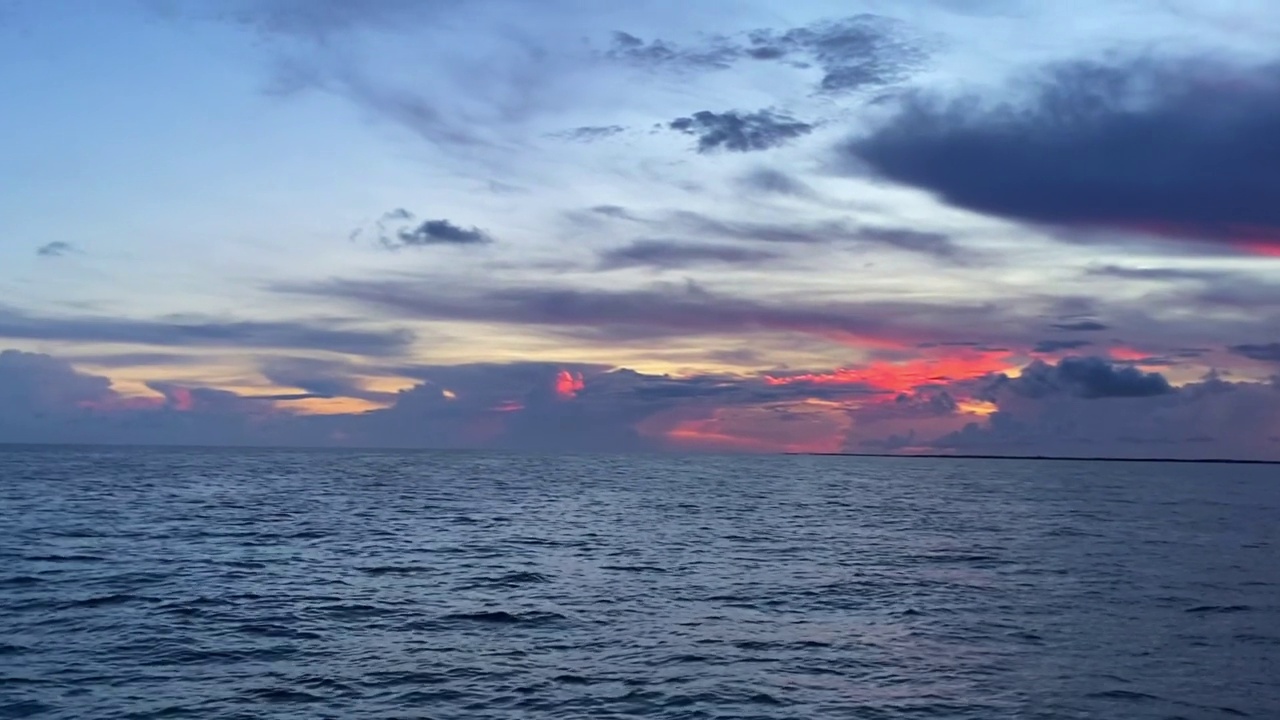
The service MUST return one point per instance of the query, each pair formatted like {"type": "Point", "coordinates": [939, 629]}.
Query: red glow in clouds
{"type": "Point", "coordinates": [902, 377]}
{"type": "Point", "coordinates": [568, 384]}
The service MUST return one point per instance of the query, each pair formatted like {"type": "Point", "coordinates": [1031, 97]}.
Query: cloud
{"type": "Point", "coordinates": [138, 359]}
{"type": "Point", "coordinates": [319, 378]}
{"type": "Point", "coordinates": [1082, 406]}
{"type": "Point", "coordinates": [715, 54]}
{"type": "Point", "coordinates": [740, 132]}
{"type": "Point", "coordinates": [853, 53]}
{"type": "Point", "coordinates": [1160, 274]}
{"type": "Point", "coordinates": [1053, 346]}
{"type": "Point", "coordinates": [669, 254]}
{"type": "Point", "coordinates": [1084, 377]}
{"type": "Point", "coordinates": [590, 133]}
{"type": "Point", "coordinates": [799, 233]}
{"type": "Point", "coordinates": [1269, 352]}
{"type": "Point", "coordinates": [1081, 326]}
{"type": "Point", "coordinates": [613, 211]}
{"type": "Point", "coordinates": [926, 243]}
{"type": "Point", "coordinates": [323, 46]}
{"type": "Point", "coordinates": [665, 310]}
{"type": "Point", "coordinates": [56, 248]}
{"type": "Point", "coordinates": [1123, 146]}
{"type": "Point", "coordinates": [1127, 414]}
{"type": "Point", "coordinates": [440, 232]}
{"type": "Point", "coordinates": [320, 20]}
{"type": "Point", "coordinates": [46, 400]}
{"type": "Point", "coordinates": [935, 245]}
{"type": "Point", "coordinates": [197, 332]}
{"type": "Point", "coordinates": [769, 180]}
{"type": "Point", "coordinates": [399, 229]}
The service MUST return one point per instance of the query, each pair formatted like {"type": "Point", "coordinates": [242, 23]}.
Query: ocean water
{"type": "Point", "coordinates": [275, 584]}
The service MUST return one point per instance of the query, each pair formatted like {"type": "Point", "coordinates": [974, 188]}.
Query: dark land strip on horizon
{"type": "Point", "coordinates": [943, 456]}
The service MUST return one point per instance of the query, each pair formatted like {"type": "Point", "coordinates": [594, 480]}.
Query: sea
{"type": "Point", "coordinates": [188, 583]}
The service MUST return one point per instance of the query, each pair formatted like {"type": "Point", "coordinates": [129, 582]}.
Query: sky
{"type": "Point", "coordinates": [943, 226]}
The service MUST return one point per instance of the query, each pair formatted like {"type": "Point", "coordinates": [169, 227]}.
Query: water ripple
{"type": "Point", "coordinates": [154, 584]}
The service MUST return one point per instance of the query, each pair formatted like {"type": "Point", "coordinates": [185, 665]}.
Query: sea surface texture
{"type": "Point", "coordinates": [274, 584]}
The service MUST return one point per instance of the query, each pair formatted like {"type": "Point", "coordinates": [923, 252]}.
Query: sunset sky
{"type": "Point", "coordinates": [943, 226]}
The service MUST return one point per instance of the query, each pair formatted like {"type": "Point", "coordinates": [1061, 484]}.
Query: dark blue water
{"type": "Point", "coordinates": [252, 584]}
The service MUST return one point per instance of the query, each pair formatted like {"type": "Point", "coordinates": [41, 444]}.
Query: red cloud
{"type": "Point", "coordinates": [905, 376]}
{"type": "Point", "coordinates": [568, 384]}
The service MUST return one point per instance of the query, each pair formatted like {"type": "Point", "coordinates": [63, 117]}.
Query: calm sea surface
{"type": "Point", "coordinates": [274, 584]}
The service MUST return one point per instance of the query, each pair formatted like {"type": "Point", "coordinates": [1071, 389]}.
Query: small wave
{"type": "Point", "coordinates": [508, 580]}
{"type": "Point", "coordinates": [634, 568]}
{"type": "Point", "coordinates": [19, 581]}
{"type": "Point", "coordinates": [1123, 695]}
{"type": "Point", "coordinates": [7, 649]}
{"type": "Point", "coordinates": [384, 678]}
{"type": "Point", "coordinates": [545, 542]}
{"type": "Point", "coordinates": [426, 697]}
{"type": "Point", "coordinates": [762, 698]}
{"type": "Point", "coordinates": [171, 711]}
{"type": "Point", "coordinates": [278, 631]}
{"type": "Point", "coordinates": [1219, 609]}
{"type": "Point", "coordinates": [354, 610]}
{"type": "Point", "coordinates": [502, 617]}
{"type": "Point", "coordinates": [281, 695]}
{"type": "Point", "coordinates": [108, 600]}
{"type": "Point", "coordinates": [64, 558]}
{"type": "Point", "coordinates": [682, 659]}
{"type": "Point", "coordinates": [24, 708]}
{"type": "Point", "coordinates": [394, 570]}
{"type": "Point", "coordinates": [243, 564]}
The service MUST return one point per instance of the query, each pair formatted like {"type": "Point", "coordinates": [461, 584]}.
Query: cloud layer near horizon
{"type": "Point", "coordinates": [1080, 406]}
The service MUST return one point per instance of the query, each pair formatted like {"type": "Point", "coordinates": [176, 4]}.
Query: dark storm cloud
{"type": "Point", "coordinates": [1083, 377]}
{"type": "Point", "coordinates": [1175, 148]}
{"type": "Point", "coordinates": [1052, 346]}
{"type": "Point", "coordinates": [56, 248]}
{"type": "Point", "coordinates": [1269, 352]}
{"type": "Point", "coordinates": [1081, 326]}
{"type": "Point", "coordinates": [668, 254]}
{"type": "Point", "coordinates": [184, 332]}
{"type": "Point", "coordinates": [740, 132]}
{"type": "Point", "coordinates": [853, 53]}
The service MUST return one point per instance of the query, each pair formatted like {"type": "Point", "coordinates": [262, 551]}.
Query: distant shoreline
{"type": "Point", "coordinates": [942, 456]}
{"type": "Point", "coordinates": [384, 449]}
